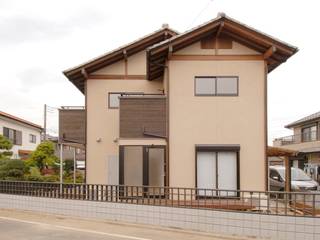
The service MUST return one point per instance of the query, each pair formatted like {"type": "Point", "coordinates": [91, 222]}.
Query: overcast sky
{"type": "Point", "coordinates": [41, 38]}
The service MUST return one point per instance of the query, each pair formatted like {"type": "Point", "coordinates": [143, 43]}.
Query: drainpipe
{"type": "Point", "coordinates": [167, 114]}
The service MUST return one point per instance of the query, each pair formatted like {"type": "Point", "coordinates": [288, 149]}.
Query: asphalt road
{"type": "Point", "coordinates": [26, 225]}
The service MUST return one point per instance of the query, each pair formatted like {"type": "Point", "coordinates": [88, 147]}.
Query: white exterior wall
{"type": "Point", "coordinates": [26, 131]}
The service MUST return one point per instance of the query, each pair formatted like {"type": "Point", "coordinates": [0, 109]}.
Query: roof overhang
{"type": "Point", "coordinates": [273, 50]}
{"type": "Point", "coordinates": [79, 74]}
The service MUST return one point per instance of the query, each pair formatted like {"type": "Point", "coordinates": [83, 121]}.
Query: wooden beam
{"type": "Point", "coordinates": [220, 29]}
{"type": "Point", "coordinates": [269, 52]}
{"type": "Point", "coordinates": [288, 174]}
{"type": "Point", "coordinates": [216, 57]}
{"type": "Point", "coordinates": [125, 62]}
{"type": "Point", "coordinates": [170, 51]}
{"type": "Point", "coordinates": [116, 77]}
{"type": "Point", "coordinates": [84, 73]}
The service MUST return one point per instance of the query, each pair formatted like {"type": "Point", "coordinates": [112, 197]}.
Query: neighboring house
{"type": "Point", "coordinates": [24, 135]}
{"type": "Point", "coordinates": [184, 110]}
{"type": "Point", "coordinates": [305, 139]}
{"type": "Point", "coordinates": [70, 151]}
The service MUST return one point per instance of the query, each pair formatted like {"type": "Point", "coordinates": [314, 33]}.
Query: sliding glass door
{"type": "Point", "coordinates": [217, 170]}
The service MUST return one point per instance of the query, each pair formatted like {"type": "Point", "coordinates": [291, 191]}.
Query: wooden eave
{"type": "Point", "coordinates": [76, 76]}
{"type": "Point", "coordinates": [223, 26]}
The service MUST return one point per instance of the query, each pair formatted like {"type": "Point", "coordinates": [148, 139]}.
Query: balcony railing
{"type": "Point", "coordinates": [298, 138]}
{"type": "Point", "coordinates": [142, 116]}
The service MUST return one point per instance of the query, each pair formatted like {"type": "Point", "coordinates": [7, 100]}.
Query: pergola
{"type": "Point", "coordinates": [286, 154]}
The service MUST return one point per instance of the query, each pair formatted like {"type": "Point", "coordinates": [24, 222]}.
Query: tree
{"type": "Point", "coordinates": [5, 146]}
{"type": "Point", "coordinates": [43, 156]}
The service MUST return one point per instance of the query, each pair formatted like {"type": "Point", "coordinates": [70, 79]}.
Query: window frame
{"type": "Point", "coordinates": [14, 140]}
{"type": "Point", "coordinates": [303, 137]}
{"type": "Point", "coordinates": [216, 94]}
{"type": "Point", "coordinates": [218, 148]}
{"type": "Point", "coordinates": [122, 94]}
{"type": "Point", "coordinates": [32, 138]}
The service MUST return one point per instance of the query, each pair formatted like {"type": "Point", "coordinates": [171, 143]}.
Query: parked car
{"type": "Point", "coordinates": [300, 181]}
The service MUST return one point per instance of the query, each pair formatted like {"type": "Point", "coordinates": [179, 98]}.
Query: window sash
{"type": "Point", "coordinates": [32, 138]}
{"type": "Point", "coordinates": [224, 176]}
{"type": "Point", "coordinates": [219, 86]}
{"type": "Point", "coordinates": [309, 133]}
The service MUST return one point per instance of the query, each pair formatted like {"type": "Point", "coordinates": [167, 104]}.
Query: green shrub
{"type": "Point", "coordinates": [51, 178]}
{"type": "Point", "coordinates": [5, 146]}
{"type": "Point", "coordinates": [12, 169]}
{"type": "Point", "coordinates": [43, 156]}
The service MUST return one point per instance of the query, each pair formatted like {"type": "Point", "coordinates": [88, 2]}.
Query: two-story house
{"type": "Point", "coordinates": [184, 110]}
{"type": "Point", "coordinates": [24, 135]}
{"type": "Point", "coordinates": [305, 139]}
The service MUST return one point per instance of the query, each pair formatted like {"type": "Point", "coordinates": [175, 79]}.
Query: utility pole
{"type": "Point", "coordinates": [45, 123]}
{"type": "Point", "coordinates": [61, 168]}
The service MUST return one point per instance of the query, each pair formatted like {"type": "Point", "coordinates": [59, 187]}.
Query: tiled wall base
{"type": "Point", "coordinates": [222, 222]}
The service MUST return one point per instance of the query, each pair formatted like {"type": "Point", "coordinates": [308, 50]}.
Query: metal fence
{"type": "Point", "coordinates": [298, 138]}
{"type": "Point", "coordinates": [270, 202]}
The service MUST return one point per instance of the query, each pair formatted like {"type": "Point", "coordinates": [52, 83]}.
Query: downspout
{"type": "Point", "coordinates": [85, 75]}
{"type": "Point", "coordinates": [168, 114]}
{"type": "Point", "coordinates": [266, 124]}
{"type": "Point", "coordinates": [166, 66]}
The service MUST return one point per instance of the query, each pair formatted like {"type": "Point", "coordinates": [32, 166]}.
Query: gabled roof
{"type": "Point", "coordinates": [303, 120]}
{"type": "Point", "coordinates": [20, 120]}
{"type": "Point", "coordinates": [277, 51]}
{"type": "Point", "coordinates": [77, 74]}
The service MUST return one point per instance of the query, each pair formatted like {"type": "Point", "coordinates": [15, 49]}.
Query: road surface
{"type": "Point", "coordinates": [22, 225]}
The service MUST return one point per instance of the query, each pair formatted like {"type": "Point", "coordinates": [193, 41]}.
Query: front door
{"type": "Point", "coordinates": [142, 166]}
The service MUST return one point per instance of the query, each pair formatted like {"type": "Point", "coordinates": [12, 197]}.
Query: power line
{"type": "Point", "coordinates": [199, 14]}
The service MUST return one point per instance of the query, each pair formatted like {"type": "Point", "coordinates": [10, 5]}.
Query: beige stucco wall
{"type": "Point", "coordinates": [102, 122]}
{"type": "Point", "coordinates": [217, 120]}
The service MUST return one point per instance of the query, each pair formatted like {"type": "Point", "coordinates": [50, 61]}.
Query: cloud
{"type": "Point", "coordinates": [16, 29]}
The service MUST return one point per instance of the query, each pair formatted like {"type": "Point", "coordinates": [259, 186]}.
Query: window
{"type": "Point", "coordinates": [113, 98]}
{"type": "Point", "coordinates": [309, 133]}
{"type": "Point", "coordinates": [216, 86]}
{"type": "Point", "coordinates": [32, 138]}
{"type": "Point", "coordinates": [14, 136]}
{"type": "Point", "coordinates": [217, 169]}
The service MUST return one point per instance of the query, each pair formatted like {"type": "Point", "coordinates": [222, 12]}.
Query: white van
{"type": "Point", "coordinates": [300, 181]}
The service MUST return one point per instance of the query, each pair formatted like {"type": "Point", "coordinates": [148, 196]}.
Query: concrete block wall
{"type": "Point", "coordinates": [220, 222]}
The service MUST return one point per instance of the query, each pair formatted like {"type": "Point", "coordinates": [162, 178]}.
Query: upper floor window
{"type": "Point", "coordinates": [32, 138]}
{"type": "Point", "coordinates": [13, 135]}
{"type": "Point", "coordinates": [113, 98]}
{"type": "Point", "coordinates": [216, 86]}
{"type": "Point", "coordinates": [309, 133]}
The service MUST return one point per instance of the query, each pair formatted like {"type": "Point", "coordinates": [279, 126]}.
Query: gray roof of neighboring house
{"type": "Point", "coordinates": [309, 118]}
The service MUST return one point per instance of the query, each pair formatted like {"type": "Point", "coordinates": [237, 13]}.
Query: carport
{"type": "Point", "coordinates": [285, 154]}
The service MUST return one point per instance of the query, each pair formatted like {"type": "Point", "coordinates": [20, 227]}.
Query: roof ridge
{"type": "Point", "coordinates": [121, 47]}
{"type": "Point", "coordinates": [304, 119]}
{"type": "Point", "coordinates": [7, 115]}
